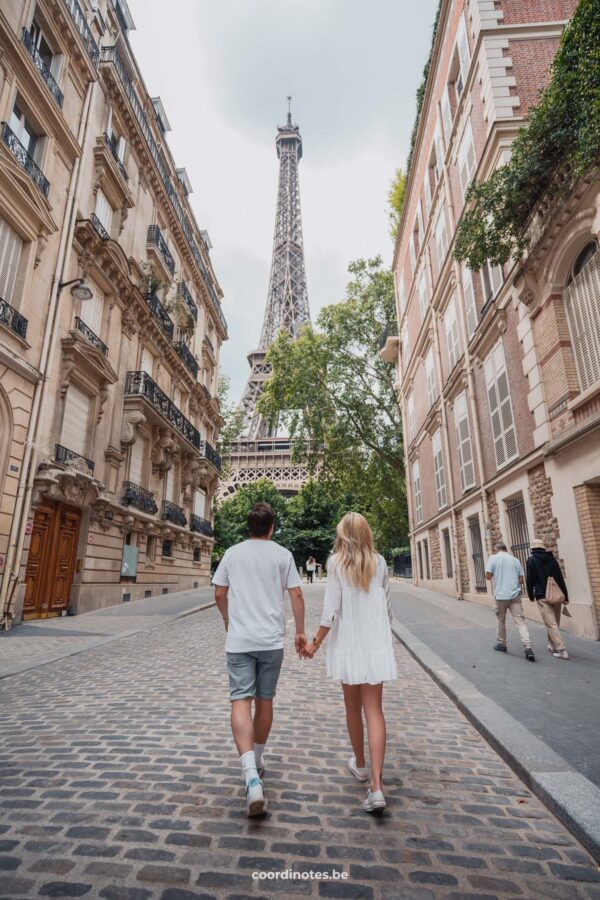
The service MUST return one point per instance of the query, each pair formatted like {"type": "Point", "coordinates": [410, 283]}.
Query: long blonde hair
{"type": "Point", "coordinates": [354, 551]}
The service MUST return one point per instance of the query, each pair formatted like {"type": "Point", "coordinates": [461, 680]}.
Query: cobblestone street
{"type": "Point", "coordinates": [120, 781]}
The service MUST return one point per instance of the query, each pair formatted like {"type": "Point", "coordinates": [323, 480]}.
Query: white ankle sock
{"type": "Point", "coordinates": [259, 749]}
{"type": "Point", "coordinates": [248, 761]}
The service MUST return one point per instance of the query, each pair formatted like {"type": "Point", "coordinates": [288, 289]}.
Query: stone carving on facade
{"type": "Point", "coordinates": [128, 322]}
{"type": "Point", "coordinates": [67, 484]}
{"type": "Point", "coordinates": [102, 398]}
{"type": "Point", "coordinates": [164, 450]}
{"type": "Point", "coordinates": [39, 250]}
{"type": "Point", "coordinates": [129, 426]}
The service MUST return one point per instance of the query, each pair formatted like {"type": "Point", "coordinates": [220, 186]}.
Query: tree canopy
{"type": "Point", "coordinates": [396, 201]}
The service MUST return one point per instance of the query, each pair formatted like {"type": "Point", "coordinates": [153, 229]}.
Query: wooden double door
{"type": "Point", "coordinates": [51, 560]}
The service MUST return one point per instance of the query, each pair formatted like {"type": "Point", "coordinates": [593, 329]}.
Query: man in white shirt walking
{"type": "Point", "coordinates": [250, 585]}
{"type": "Point", "coordinates": [509, 580]}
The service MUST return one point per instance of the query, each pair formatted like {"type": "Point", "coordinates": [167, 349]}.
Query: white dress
{"type": "Point", "coordinates": [360, 645]}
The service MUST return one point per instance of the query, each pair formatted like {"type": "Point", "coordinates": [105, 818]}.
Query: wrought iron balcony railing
{"type": "Point", "coordinates": [24, 159]}
{"type": "Point", "coordinates": [160, 314]}
{"type": "Point", "coordinates": [42, 67]}
{"type": "Point", "coordinates": [200, 525]}
{"type": "Point", "coordinates": [73, 460]}
{"type": "Point", "coordinates": [115, 155]}
{"type": "Point", "coordinates": [111, 54]}
{"type": "Point", "coordinates": [172, 513]}
{"type": "Point", "coordinates": [99, 227]}
{"type": "Point", "coordinates": [83, 28]}
{"type": "Point", "coordinates": [183, 292]}
{"type": "Point", "coordinates": [139, 497]}
{"type": "Point", "coordinates": [211, 455]}
{"type": "Point", "coordinates": [141, 384]}
{"type": "Point", "coordinates": [13, 319]}
{"type": "Point", "coordinates": [90, 336]}
{"type": "Point", "coordinates": [187, 356]}
{"type": "Point", "coordinates": [155, 236]}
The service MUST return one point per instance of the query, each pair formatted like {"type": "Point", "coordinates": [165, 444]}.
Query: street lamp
{"type": "Point", "coordinates": [79, 289]}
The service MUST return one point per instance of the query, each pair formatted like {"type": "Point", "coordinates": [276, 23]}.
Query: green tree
{"type": "Point", "coordinates": [312, 516]}
{"type": "Point", "coordinates": [338, 401]}
{"type": "Point", "coordinates": [396, 201]}
{"type": "Point", "coordinates": [232, 426]}
{"type": "Point", "coordinates": [232, 514]}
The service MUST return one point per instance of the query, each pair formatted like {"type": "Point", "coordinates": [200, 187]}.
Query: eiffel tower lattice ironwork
{"type": "Point", "coordinates": [261, 451]}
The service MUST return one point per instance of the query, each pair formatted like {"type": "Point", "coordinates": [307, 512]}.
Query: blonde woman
{"type": "Point", "coordinates": [360, 650]}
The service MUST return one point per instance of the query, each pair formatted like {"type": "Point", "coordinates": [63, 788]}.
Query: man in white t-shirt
{"type": "Point", "coordinates": [250, 585]}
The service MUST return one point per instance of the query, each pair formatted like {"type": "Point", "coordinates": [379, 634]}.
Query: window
{"type": "Point", "coordinates": [491, 280]}
{"type": "Point", "coordinates": [196, 554]}
{"type": "Point", "coordinates": [11, 247]}
{"type": "Point", "coordinates": [447, 552]}
{"type": "Point", "coordinates": [422, 292]}
{"type": "Point", "coordinates": [519, 530]}
{"type": "Point", "coordinates": [459, 69]}
{"type": "Point", "coordinates": [137, 458]}
{"type": "Point", "coordinates": [91, 311]}
{"type": "Point", "coordinates": [452, 333]}
{"type": "Point", "coordinates": [151, 548]}
{"type": "Point", "coordinates": [167, 548]}
{"type": "Point", "coordinates": [74, 435]}
{"type": "Point", "coordinates": [200, 503]}
{"type": "Point", "coordinates": [405, 348]}
{"type": "Point", "coordinates": [463, 440]}
{"type": "Point", "coordinates": [438, 468]}
{"type": "Point", "coordinates": [147, 362]}
{"type": "Point", "coordinates": [24, 131]}
{"type": "Point", "coordinates": [430, 377]}
{"type": "Point", "coordinates": [417, 490]}
{"type": "Point", "coordinates": [413, 255]}
{"type": "Point", "coordinates": [117, 143]}
{"type": "Point", "coordinates": [427, 191]}
{"type": "Point", "coordinates": [477, 554]}
{"type": "Point", "coordinates": [104, 211]}
{"type": "Point", "coordinates": [441, 238]}
{"type": "Point", "coordinates": [446, 114]}
{"type": "Point", "coordinates": [401, 294]}
{"type": "Point", "coordinates": [503, 428]}
{"type": "Point", "coordinates": [583, 312]}
{"type": "Point", "coordinates": [467, 162]}
{"type": "Point", "coordinates": [420, 559]}
{"type": "Point", "coordinates": [410, 411]}
{"type": "Point", "coordinates": [439, 153]}
{"type": "Point", "coordinates": [469, 295]}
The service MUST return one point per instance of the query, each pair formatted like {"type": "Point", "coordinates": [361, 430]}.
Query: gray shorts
{"type": "Point", "coordinates": [254, 674]}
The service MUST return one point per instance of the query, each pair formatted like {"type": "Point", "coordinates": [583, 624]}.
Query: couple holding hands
{"type": "Point", "coordinates": [250, 585]}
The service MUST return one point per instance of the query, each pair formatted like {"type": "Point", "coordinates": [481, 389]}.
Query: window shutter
{"type": "Point", "coordinates": [405, 348]}
{"type": "Point", "coordinates": [463, 49]}
{"type": "Point", "coordinates": [438, 468]}
{"type": "Point", "coordinates": [439, 152]}
{"type": "Point", "coordinates": [446, 114]}
{"type": "Point", "coordinates": [583, 312]}
{"type": "Point", "coordinates": [91, 311]}
{"type": "Point", "coordinates": [200, 503]}
{"type": "Point", "coordinates": [401, 294]}
{"type": "Point", "coordinates": [170, 485]}
{"type": "Point", "coordinates": [427, 191]}
{"type": "Point", "coordinates": [452, 333]}
{"type": "Point", "coordinates": [463, 439]}
{"type": "Point", "coordinates": [411, 247]}
{"type": "Point", "coordinates": [470, 307]}
{"type": "Point", "coordinates": [441, 241]}
{"type": "Point", "coordinates": [466, 158]}
{"type": "Point", "coordinates": [121, 149]}
{"type": "Point", "coordinates": [410, 408]}
{"type": "Point", "coordinates": [136, 461]}
{"type": "Point", "coordinates": [503, 429]}
{"type": "Point", "coordinates": [430, 376]}
{"type": "Point", "coordinates": [104, 211]}
{"type": "Point", "coordinates": [75, 420]}
{"type": "Point", "coordinates": [11, 247]}
{"type": "Point", "coordinates": [147, 361]}
{"type": "Point", "coordinates": [422, 291]}
{"type": "Point", "coordinates": [417, 489]}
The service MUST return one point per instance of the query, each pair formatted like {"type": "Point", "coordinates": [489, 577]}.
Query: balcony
{"type": "Point", "coordinates": [201, 526]}
{"type": "Point", "coordinates": [187, 357]}
{"type": "Point", "coordinates": [156, 239]}
{"type": "Point", "coordinates": [12, 319]}
{"type": "Point", "coordinates": [174, 514]}
{"type": "Point", "coordinates": [42, 68]}
{"type": "Point", "coordinates": [115, 156]}
{"type": "Point", "coordinates": [111, 55]}
{"type": "Point", "coordinates": [160, 314]}
{"type": "Point", "coordinates": [80, 22]}
{"type": "Point", "coordinates": [100, 229]}
{"type": "Point", "coordinates": [183, 293]}
{"type": "Point", "coordinates": [23, 158]}
{"type": "Point", "coordinates": [73, 460]}
{"type": "Point", "coordinates": [388, 346]}
{"type": "Point", "coordinates": [89, 335]}
{"type": "Point", "coordinates": [211, 455]}
{"type": "Point", "coordinates": [139, 497]}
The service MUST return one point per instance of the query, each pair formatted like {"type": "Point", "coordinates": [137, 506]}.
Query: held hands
{"type": "Point", "coordinates": [310, 650]}
{"type": "Point", "coordinates": [300, 642]}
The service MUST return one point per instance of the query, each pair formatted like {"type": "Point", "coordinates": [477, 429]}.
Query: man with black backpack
{"type": "Point", "coordinates": [542, 565]}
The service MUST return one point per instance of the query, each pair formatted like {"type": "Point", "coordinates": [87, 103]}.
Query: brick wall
{"type": "Point", "coordinates": [463, 559]}
{"type": "Point", "coordinates": [494, 518]}
{"type": "Point", "coordinates": [531, 68]}
{"type": "Point", "coordinates": [435, 553]}
{"type": "Point", "coordinates": [535, 10]}
{"type": "Point", "coordinates": [545, 524]}
{"type": "Point", "coordinates": [587, 497]}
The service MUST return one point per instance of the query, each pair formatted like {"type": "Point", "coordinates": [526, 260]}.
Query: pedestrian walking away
{"type": "Point", "coordinates": [509, 581]}
{"type": "Point", "coordinates": [250, 585]}
{"type": "Point", "coordinates": [542, 565]}
{"type": "Point", "coordinates": [360, 650]}
{"type": "Point", "coordinates": [311, 565]}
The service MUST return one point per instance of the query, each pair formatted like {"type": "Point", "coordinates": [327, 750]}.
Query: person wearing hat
{"type": "Point", "coordinates": [540, 566]}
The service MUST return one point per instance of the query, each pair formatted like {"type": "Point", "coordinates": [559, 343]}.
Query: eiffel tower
{"type": "Point", "coordinates": [261, 452]}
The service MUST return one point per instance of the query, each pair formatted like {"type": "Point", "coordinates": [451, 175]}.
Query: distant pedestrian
{"type": "Point", "coordinates": [311, 566]}
{"type": "Point", "coordinates": [360, 651]}
{"type": "Point", "coordinates": [250, 586]}
{"type": "Point", "coordinates": [509, 581]}
{"type": "Point", "coordinates": [542, 565]}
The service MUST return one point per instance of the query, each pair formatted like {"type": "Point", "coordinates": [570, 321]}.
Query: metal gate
{"type": "Point", "coordinates": [519, 532]}
{"type": "Point", "coordinates": [477, 554]}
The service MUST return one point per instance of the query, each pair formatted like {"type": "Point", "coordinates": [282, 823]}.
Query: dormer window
{"type": "Point", "coordinates": [161, 116]}
{"type": "Point", "coordinates": [185, 181]}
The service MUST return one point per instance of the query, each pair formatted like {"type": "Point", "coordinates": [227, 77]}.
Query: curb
{"type": "Point", "coordinates": [572, 797]}
{"type": "Point", "coordinates": [108, 639]}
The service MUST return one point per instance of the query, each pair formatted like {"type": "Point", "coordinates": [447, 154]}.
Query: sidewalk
{"type": "Point", "coordinates": [38, 642]}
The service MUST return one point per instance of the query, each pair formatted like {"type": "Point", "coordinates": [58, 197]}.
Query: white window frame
{"type": "Point", "coordinates": [405, 349]}
{"type": "Point", "coordinates": [427, 192]}
{"type": "Point", "coordinates": [11, 249]}
{"type": "Point", "coordinates": [410, 414]}
{"type": "Point", "coordinates": [104, 211]}
{"type": "Point", "coordinates": [432, 391]}
{"type": "Point", "coordinates": [464, 54]}
{"type": "Point", "coordinates": [466, 159]}
{"type": "Point", "coordinates": [446, 111]}
{"type": "Point", "coordinates": [439, 471]}
{"type": "Point", "coordinates": [417, 493]}
{"type": "Point", "coordinates": [452, 332]}
{"type": "Point", "coordinates": [492, 279]}
{"type": "Point", "coordinates": [469, 298]}
{"type": "Point", "coordinates": [463, 441]}
{"type": "Point", "coordinates": [423, 293]}
{"type": "Point", "coordinates": [581, 303]}
{"type": "Point", "coordinates": [401, 294]}
{"type": "Point", "coordinates": [441, 237]}
{"type": "Point", "coordinates": [502, 418]}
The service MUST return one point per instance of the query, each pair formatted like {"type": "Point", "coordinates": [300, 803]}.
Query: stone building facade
{"type": "Point", "coordinates": [498, 370]}
{"type": "Point", "coordinates": [110, 325]}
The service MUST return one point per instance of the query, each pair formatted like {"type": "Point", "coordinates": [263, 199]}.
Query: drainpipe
{"type": "Point", "coordinates": [25, 489]}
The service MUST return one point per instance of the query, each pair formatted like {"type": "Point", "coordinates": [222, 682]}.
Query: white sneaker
{"type": "Point", "coordinates": [359, 774]}
{"type": "Point", "coordinates": [255, 798]}
{"type": "Point", "coordinates": [375, 800]}
{"type": "Point", "coordinates": [561, 654]}
{"type": "Point", "coordinates": [550, 648]}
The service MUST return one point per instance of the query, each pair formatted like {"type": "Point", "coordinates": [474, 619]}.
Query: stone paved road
{"type": "Point", "coordinates": [119, 781]}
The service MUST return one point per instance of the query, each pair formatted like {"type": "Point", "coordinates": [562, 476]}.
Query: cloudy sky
{"type": "Point", "coordinates": [223, 69]}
